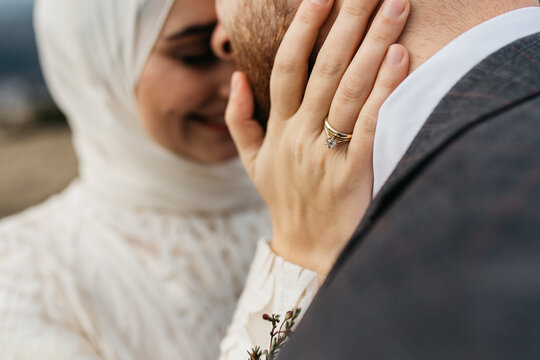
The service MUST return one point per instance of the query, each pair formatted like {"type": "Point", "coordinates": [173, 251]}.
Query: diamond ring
{"type": "Point", "coordinates": [334, 137]}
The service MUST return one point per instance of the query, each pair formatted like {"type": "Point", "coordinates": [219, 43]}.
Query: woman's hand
{"type": "Point", "coordinates": [318, 195]}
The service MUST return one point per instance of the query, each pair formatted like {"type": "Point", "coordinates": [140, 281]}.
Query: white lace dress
{"type": "Point", "coordinates": [274, 286]}
{"type": "Point", "coordinates": [68, 295]}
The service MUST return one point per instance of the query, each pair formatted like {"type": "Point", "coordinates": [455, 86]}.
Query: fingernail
{"type": "Point", "coordinates": [235, 83]}
{"type": "Point", "coordinates": [395, 55]}
{"type": "Point", "coordinates": [319, 2]}
{"type": "Point", "coordinates": [393, 8]}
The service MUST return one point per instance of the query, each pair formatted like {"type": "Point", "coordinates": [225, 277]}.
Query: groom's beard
{"type": "Point", "coordinates": [258, 31]}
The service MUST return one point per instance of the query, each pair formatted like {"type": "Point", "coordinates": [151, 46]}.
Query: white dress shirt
{"type": "Point", "coordinates": [410, 105]}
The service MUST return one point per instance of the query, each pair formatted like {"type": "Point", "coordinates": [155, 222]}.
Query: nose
{"type": "Point", "coordinates": [221, 44]}
{"type": "Point", "coordinates": [223, 79]}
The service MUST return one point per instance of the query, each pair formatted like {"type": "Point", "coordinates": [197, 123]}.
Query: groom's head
{"type": "Point", "coordinates": [251, 31]}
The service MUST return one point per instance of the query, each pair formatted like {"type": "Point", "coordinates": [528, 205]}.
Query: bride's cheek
{"type": "Point", "coordinates": [166, 94]}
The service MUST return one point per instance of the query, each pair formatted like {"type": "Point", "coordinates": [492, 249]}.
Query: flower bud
{"type": "Point", "coordinates": [288, 315]}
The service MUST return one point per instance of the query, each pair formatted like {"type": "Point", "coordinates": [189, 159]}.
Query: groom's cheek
{"type": "Point", "coordinates": [227, 10]}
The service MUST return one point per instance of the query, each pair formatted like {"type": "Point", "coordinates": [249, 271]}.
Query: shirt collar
{"type": "Point", "coordinates": [411, 104]}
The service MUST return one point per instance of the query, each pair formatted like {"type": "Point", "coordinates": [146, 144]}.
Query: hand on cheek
{"type": "Point", "coordinates": [318, 195]}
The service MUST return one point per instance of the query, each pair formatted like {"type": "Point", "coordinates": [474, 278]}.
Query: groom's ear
{"type": "Point", "coordinates": [221, 44]}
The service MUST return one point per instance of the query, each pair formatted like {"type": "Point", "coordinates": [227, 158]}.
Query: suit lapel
{"type": "Point", "coordinates": [504, 79]}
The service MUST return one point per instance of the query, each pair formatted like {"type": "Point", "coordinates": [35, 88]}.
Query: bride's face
{"type": "Point", "coordinates": [182, 92]}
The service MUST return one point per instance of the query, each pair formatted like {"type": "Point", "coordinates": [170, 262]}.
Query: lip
{"type": "Point", "coordinates": [213, 123]}
{"type": "Point", "coordinates": [217, 128]}
{"type": "Point", "coordinates": [212, 115]}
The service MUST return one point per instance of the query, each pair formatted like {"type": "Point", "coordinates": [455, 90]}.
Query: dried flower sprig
{"type": "Point", "coordinates": [278, 336]}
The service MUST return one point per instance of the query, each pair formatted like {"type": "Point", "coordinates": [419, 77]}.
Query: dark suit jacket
{"type": "Point", "coordinates": [446, 262]}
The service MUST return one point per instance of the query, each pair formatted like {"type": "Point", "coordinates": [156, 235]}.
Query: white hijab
{"type": "Point", "coordinates": [92, 54]}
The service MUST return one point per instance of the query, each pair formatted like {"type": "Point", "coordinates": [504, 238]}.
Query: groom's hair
{"type": "Point", "coordinates": [265, 37]}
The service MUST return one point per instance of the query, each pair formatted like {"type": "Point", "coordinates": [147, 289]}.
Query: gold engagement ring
{"type": "Point", "coordinates": [334, 137]}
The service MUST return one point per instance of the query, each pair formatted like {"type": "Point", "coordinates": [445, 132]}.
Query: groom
{"type": "Point", "coordinates": [446, 263]}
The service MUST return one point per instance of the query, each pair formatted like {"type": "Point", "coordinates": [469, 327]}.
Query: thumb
{"type": "Point", "coordinates": [246, 132]}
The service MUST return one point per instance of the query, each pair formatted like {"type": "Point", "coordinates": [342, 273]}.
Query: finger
{"type": "Point", "coordinates": [289, 74]}
{"type": "Point", "coordinates": [246, 132]}
{"type": "Point", "coordinates": [335, 55]}
{"type": "Point", "coordinates": [357, 83]}
{"type": "Point", "coordinates": [393, 71]}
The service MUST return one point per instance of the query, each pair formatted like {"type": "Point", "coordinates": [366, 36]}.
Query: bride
{"type": "Point", "coordinates": [145, 254]}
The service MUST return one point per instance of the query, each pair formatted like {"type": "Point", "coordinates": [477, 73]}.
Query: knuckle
{"type": "Point", "coordinates": [308, 13]}
{"type": "Point", "coordinates": [388, 83]}
{"type": "Point", "coordinates": [330, 67]}
{"type": "Point", "coordinates": [386, 22]}
{"type": "Point", "coordinates": [384, 30]}
{"type": "Point", "coordinates": [353, 89]}
{"type": "Point", "coordinates": [369, 123]}
{"type": "Point", "coordinates": [388, 79]}
{"type": "Point", "coordinates": [305, 16]}
{"type": "Point", "coordinates": [285, 64]}
{"type": "Point", "coordinates": [356, 8]}
{"type": "Point", "coordinates": [382, 37]}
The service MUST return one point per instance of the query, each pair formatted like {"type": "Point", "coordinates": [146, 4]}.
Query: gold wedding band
{"type": "Point", "coordinates": [334, 137]}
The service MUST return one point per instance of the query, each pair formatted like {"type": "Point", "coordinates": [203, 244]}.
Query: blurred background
{"type": "Point", "coordinates": [36, 155]}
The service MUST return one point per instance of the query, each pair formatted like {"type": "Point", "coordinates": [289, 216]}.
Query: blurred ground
{"type": "Point", "coordinates": [35, 162]}
{"type": "Point", "coordinates": [36, 157]}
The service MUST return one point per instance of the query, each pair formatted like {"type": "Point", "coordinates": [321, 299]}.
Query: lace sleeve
{"type": "Point", "coordinates": [32, 325]}
{"type": "Point", "coordinates": [273, 286]}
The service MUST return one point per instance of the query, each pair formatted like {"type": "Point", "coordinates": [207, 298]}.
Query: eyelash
{"type": "Point", "coordinates": [202, 60]}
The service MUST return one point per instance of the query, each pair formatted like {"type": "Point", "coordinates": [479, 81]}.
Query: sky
{"type": "Point", "coordinates": [18, 56]}
{"type": "Point", "coordinates": [9, 8]}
